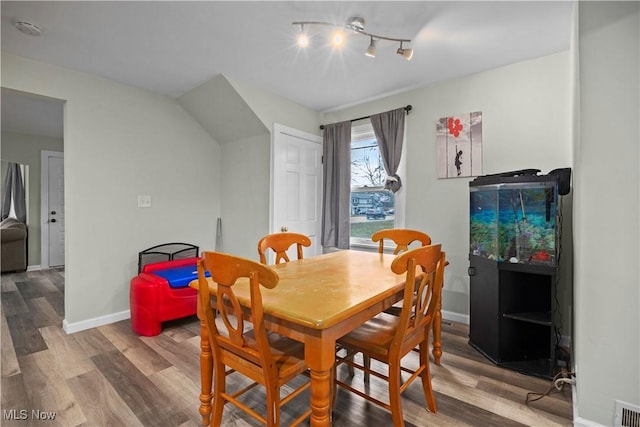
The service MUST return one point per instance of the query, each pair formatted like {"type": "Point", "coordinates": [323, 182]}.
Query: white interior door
{"type": "Point", "coordinates": [52, 211]}
{"type": "Point", "coordinates": [297, 185]}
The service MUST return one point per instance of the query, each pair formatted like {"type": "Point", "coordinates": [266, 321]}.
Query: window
{"type": "Point", "coordinates": [23, 175]}
{"type": "Point", "coordinates": [372, 207]}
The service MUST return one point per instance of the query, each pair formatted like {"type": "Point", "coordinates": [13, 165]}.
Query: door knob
{"type": "Point", "coordinates": [284, 229]}
{"type": "Point", "coordinates": [53, 212]}
{"type": "Point", "coordinates": [53, 220]}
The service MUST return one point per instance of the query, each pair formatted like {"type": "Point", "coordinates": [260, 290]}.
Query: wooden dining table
{"type": "Point", "coordinates": [316, 301]}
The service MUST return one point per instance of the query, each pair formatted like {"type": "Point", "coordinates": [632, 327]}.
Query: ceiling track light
{"type": "Point", "coordinates": [405, 53]}
{"type": "Point", "coordinates": [355, 24]}
{"type": "Point", "coordinates": [371, 50]}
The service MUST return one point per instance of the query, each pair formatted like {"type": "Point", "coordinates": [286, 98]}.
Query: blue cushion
{"type": "Point", "coordinates": [179, 277]}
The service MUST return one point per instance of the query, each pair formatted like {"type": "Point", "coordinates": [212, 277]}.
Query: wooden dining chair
{"type": "Point", "coordinates": [266, 358]}
{"type": "Point", "coordinates": [280, 243]}
{"type": "Point", "coordinates": [402, 239]}
{"type": "Point", "coordinates": [388, 338]}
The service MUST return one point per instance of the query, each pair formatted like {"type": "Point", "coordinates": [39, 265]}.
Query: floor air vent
{"type": "Point", "coordinates": [626, 415]}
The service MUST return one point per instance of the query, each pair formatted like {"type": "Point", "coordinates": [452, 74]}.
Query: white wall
{"type": "Point", "coordinates": [121, 142]}
{"type": "Point", "coordinates": [245, 194]}
{"type": "Point", "coordinates": [607, 212]}
{"type": "Point", "coordinates": [526, 124]}
{"type": "Point", "coordinates": [25, 149]}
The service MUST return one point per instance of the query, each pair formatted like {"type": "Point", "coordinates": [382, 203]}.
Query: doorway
{"type": "Point", "coordinates": [52, 216]}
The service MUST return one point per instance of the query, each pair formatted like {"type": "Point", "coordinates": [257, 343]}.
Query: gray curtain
{"type": "Point", "coordinates": [14, 188]}
{"type": "Point", "coordinates": [389, 130]}
{"type": "Point", "coordinates": [337, 185]}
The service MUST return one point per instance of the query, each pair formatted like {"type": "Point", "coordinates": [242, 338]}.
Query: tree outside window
{"type": "Point", "coordinates": [372, 207]}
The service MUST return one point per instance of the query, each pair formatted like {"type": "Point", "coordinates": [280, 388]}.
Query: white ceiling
{"type": "Point", "coordinates": [171, 47]}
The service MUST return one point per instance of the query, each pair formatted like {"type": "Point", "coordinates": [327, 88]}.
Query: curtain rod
{"type": "Point", "coordinates": [407, 109]}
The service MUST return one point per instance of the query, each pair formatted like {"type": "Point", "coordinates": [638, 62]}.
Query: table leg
{"type": "Point", "coordinates": [437, 330]}
{"type": "Point", "coordinates": [206, 374]}
{"type": "Point", "coordinates": [320, 357]}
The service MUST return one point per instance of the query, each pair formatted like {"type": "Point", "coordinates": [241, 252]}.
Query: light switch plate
{"type": "Point", "coordinates": [144, 201]}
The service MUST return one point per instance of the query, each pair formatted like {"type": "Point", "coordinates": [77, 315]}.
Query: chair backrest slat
{"type": "Point", "coordinates": [280, 243]}
{"type": "Point", "coordinates": [402, 237]}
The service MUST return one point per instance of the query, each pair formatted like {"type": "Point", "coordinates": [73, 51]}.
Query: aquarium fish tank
{"type": "Point", "coordinates": [514, 219]}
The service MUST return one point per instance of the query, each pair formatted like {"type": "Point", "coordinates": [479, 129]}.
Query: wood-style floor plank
{"type": "Point", "coordinates": [13, 303]}
{"type": "Point", "coordinates": [185, 355]}
{"type": "Point", "coordinates": [93, 342]}
{"type": "Point", "coordinates": [55, 276]}
{"type": "Point", "coordinates": [67, 352]}
{"type": "Point", "coordinates": [8, 357]}
{"type": "Point", "coordinates": [36, 287]}
{"type": "Point", "coordinates": [7, 284]}
{"type": "Point", "coordinates": [490, 402]}
{"type": "Point", "coordinates": [181, 391]}
{"type": "Point", "coordinates": [56, 299]}
{"type": "Point", "coordinates": [110, 376]}
{"type": "Point", "coordinates": [14, 398]}
{"type": "Point", "coordinates": [25, 336]}
{"type": "Point", "coordinates": [100, 402]}
{"type": "Point", "coordinates": [150, 404]}
{"type": "Point", "coordinates": [130, 345]}
{"type": "Point", "coordinates": [48, 391]}
{"type": "Point", "coordinates": [42, 313]}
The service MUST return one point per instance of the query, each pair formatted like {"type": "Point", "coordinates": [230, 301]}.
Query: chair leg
{"type": "Point", "coordinates": [394, 395]}
{"type": "Point", "coordinates": [367, 364]}
{"type": "Point", "coordinates": [334, 385]}
{"type": "Point", "coordinates": [425, 376]}
{"type": "Point", "coordinates": [437, 332]}
{"type": "Point", "coordinates": [218, 388]}
{"type": "Point", "coordinates": [350, 368]}
{"type": "Point", "coordinates": [273, 407]}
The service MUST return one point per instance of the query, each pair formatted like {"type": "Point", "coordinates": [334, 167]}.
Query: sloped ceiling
{"type": "Point", "coordinates": [221, 111]}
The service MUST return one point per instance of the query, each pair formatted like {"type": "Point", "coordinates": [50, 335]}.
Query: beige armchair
{"type": "Point", "coordinates": [13, 250]}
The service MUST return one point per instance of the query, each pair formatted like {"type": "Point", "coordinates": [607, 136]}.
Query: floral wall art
{"type": "Point", "coordinates": [459, 145]}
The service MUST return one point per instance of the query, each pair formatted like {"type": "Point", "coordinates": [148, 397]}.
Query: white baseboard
{"type": "Point", "coordinates": [71, 328]}
{"type": "Point", "coordinates": [34, 268]}
{"type": "Point", "coordinates": [455, 317]}
{"type": "Point", "coordinates": [581, 422]}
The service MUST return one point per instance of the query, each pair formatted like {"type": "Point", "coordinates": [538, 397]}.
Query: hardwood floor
{"type": "Point", "coordinates": [109, 376]}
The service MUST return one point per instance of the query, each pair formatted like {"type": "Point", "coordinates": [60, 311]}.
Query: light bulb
{"type": "Point", "coordinates": [303, 40]}
{"type": "Point", "coordinates": [337, 39]}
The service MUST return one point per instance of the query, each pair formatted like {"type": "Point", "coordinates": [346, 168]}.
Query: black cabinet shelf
{"type": "Point", "coordinates": [541, 318]}
{"type": "Point", "coordinates": [511, 319]}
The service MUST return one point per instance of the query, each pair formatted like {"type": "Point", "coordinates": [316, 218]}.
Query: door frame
{"type": "Point", "coordinates": [279, 129]}
{"type": "Point", "coordinates": [44, 205]}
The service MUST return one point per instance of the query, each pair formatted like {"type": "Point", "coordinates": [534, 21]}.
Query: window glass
{"type": "Point", "coordinates": [372, 207]}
